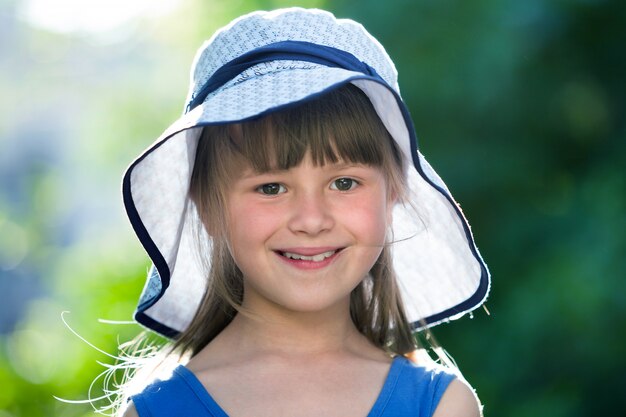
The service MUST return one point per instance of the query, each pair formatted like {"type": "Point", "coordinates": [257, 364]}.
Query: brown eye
{"type": "Point", "coordinates": [343, 184]}
{"type": "Point", "coordinates": [273, 188]}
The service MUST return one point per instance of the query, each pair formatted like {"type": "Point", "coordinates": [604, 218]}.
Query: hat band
{"type": "Point", "coordinates": [279, 51]}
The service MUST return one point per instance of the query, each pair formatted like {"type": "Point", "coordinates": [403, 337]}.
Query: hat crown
{"type": "Point", "coordinates": [258, 29]}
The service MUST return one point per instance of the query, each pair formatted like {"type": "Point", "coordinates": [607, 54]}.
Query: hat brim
{"type": "Point", "coordinates": [440, 272]}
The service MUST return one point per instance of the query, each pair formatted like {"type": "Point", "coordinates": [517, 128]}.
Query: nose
{"type": "Point", "coordinates": [310, 214]}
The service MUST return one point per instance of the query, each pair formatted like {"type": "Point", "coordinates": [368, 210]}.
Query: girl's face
{"type": "Point", "coordinates": [305, 237]}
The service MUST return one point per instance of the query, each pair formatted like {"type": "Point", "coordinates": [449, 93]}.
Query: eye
{"type": "Point", "coordinates": [272, 188]}
{"type": "Point", "coordinates": [343, 184]}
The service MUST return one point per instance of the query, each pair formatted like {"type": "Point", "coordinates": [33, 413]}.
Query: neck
{"type": "Point", "coordinates": [293, 333]}
{"type": "Point", "coordinates": [289, 336]}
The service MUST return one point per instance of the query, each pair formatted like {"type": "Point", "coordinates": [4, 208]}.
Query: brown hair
{"type": "Point", "coordinates": [339, 125]}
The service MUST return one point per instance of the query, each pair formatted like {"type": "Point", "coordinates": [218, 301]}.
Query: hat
{"type": "Point", "coordinates": [260, 63]}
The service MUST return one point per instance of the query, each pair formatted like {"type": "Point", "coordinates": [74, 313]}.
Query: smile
{"type": "Point", "coordinates": [315, 258]}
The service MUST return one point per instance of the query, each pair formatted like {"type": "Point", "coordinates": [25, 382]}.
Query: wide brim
{"type": "Point", "coordinates": [440, 272]}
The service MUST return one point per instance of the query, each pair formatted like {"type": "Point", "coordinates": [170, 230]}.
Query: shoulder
{"type": "Point", "coordinates": [164, 396]}
{"type": "Point", "coordinates": [427, 375]}
{"type": "Point", "coordinates": [130, 411]}
{"type": "Point", "coordinates": [458, 400]}
{"type": "Point", "coordinates": [436, 390]}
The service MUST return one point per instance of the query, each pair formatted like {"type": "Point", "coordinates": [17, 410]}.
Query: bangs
{"type": "Point", "coordinates": [341, 125]}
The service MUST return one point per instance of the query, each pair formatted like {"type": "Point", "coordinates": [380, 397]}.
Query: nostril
{"type": "Point", "coordinates": [311, 218]}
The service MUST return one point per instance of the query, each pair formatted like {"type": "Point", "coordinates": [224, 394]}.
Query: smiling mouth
{"type": "Point", "coordinates": [313, 258]}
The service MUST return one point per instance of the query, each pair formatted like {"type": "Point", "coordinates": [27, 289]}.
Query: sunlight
{"type": "Point", "coordinates": [94, 16]}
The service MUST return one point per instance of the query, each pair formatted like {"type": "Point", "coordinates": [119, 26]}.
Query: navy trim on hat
{"type": "Point", "coordinates": [281, 51]}
{"type": "Point", "coordinates": [297, 51]}
{"type": "Point", "coordinates": [145, 320]}
{"type": "Point", "coordinates": [142, 234]}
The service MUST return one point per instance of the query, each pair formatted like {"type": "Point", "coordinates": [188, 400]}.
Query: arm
{"type": "Point", "coordinates": [459, 400]}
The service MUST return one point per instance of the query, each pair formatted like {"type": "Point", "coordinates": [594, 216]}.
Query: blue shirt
{"type": "Point", "coordinates": [409, 390]}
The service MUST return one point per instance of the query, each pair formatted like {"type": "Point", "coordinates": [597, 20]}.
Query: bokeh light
{"type": "Point", "coordinates": [91, 16]}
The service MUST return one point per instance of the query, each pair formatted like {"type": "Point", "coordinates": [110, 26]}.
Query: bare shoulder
{"type": "Point", "coordinates": [459, 400]}
{"type": "Point", "coordinates": [130, 411]}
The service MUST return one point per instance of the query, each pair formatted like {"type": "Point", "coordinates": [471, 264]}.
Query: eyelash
{"type": "Point", "coordinates": [281, 188]}
{"type": "Point", "coordinates": [260, 188]}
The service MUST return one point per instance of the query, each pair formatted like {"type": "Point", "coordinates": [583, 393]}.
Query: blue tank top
{"type": "Point", "coordinates": [409, 390]}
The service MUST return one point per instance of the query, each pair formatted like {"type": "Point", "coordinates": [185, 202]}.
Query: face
{"type": "Point", "coordinates": [305, 237]}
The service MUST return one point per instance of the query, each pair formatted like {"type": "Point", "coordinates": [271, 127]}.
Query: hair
{"type": "Point", "coordinates": [341, 125]}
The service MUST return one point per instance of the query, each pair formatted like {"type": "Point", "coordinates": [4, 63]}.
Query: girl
{"type": "Point", "coordinates": [298, 237]}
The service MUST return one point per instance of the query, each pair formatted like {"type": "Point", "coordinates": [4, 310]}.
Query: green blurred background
{"type": "Point", "coordinates": [519, 105]}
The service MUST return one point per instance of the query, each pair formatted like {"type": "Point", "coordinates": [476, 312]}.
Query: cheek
{"type": "Point", "coordinates": [369, 220]}
{"type": "Point", "coordinates": [378, 227]}
{"type": "Point", "coordinates": [249, 225]}
{"type": "Point", "coordinates": [252, 215]}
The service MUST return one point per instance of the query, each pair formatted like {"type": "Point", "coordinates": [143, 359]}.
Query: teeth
{"type": "Point", "coordinates": [315, 258]}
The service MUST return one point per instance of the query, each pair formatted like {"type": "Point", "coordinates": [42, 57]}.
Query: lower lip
{"type": "Point", "coordinates": [308, 265]}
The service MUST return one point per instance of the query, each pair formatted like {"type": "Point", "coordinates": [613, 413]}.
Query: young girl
{"type": "Point", "coordinates": [299, 239]}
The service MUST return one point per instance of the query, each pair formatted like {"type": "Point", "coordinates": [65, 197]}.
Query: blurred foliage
{"type": "Point", "coordinates": [519, 105]}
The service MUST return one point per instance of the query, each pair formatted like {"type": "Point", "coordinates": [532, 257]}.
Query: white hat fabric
{"type": "Point", "coordinates": [260, 63]}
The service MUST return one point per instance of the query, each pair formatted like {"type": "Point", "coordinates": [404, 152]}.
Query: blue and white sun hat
{"type": "Point", "coordinates": [260, 63]}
